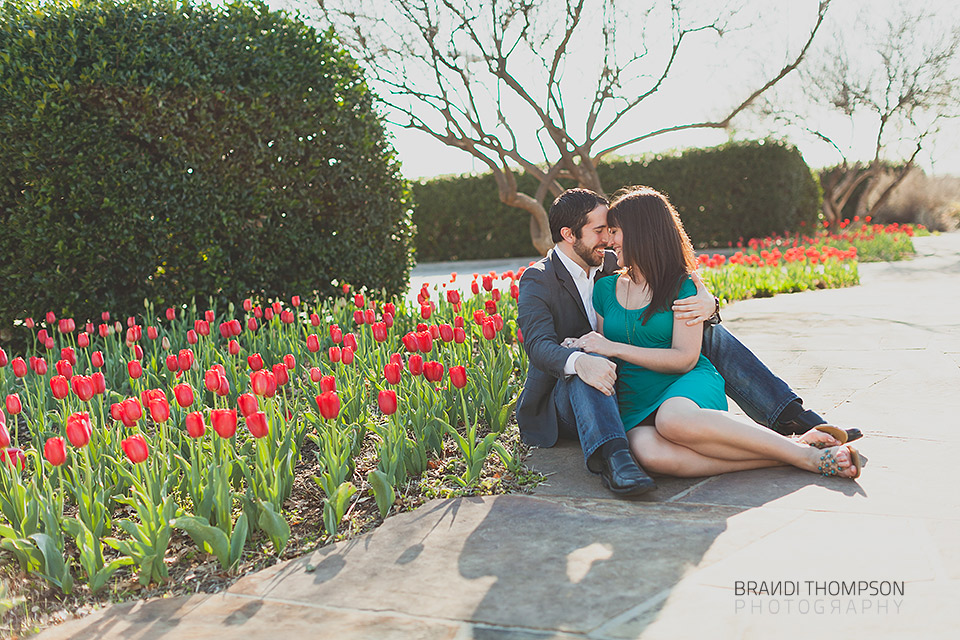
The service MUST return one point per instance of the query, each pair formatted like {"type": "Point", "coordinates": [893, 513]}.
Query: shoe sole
{"type": "Point", "coordinates": [630, 491]}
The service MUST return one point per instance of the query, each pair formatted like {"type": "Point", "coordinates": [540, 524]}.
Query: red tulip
{"type": "Point", "coordinates": [138, 352]}
{"type": "Point", "coordinates": [335, 354]}
{"type": "Point", "coordinates": [280, 372]}
{"type": "Point", "coordinates": [314, 320]}
{"type": "Point", "coordinates": [458, 376]}
{"type": "Point", "coordinates": [387, 400]}
{"type": "Point", "coordinates": [459, 335]}
{"type": "Point", "coordinates": [224, 330]}
{"type": "Point", "coordinates": [426, 310]}
{"type": "Point", "coordinates": [389, 307]}
{"type": "Point", "coordinates": [30, 324]}
{"type": "Point", "coordinates": [192, 337]}
{"type": "Point", "coordinates": [514, 291]}
{"type": "Point", "coordinates": [391, 371]}
{"type": "Point", "coordinates": [350, 340]}
{"type": "Point", "coordinates": [433, 371]}
{"type": "Point", "coordinates": [388, 320]}
{"type": "Point", "coordinates": [4, 360]}
{"type": "Point", "coordinates": [490, 307]}
{"type": "Point", "coordinates": [159, 410]}
{"type": "Point", "coordinates": [478, 317]}
{"type": "Point", "coordinates": [171, 314]}
{"type": "Point", "coordinates": [64, 368]}
{"type": "Point", "coordinates": [257, 424]}
{"type": "Point", "coordinates": [248, 404]}
{"type": "Point", "coordinates": [369, 316]}
{"type": "Point", "coordinates": [14, 458]}
{"type": "Point", "coordinates": [328, 383]}
{"type": "Point", "coordinates": [83, 341]}
{"type": "Point", "coordinates": [116, 411]}
{"type": "Point", "coordinates": [103, 330]}
{"type": "Point", "coordinates": [40, 366]}
{"type": "Point", "coordinates": [315, 374]}
{"type": "Point", "coordinates": [184, 395]}
{"type": "Point", "coordinates": [82, 387]}
{"type": "Point", "coordinates": [379, 331]}
{"type": "Point", "coordinates": [358, 317]}
{"type": "Point", "coordinates": [233, 347]}
{"type": "Point", "coordinates": [287, 317]}
{"type": "Point", "coordinates": [434, 331]}
{"type": "Point", "coordinates": [424, 341]}
{"type": "Point", "coordinates": [132, 411]}
{"type": "Point", "coordinates": [489, 329]}
{"type": "Point", "coordinates": [49, 343]}
{"type": "Point", "coordinates": [14, 406]}
{"type": "Point", "coordinates": [255, 361]}
{"type": "Point", "coordinates": [79, 429]}
{"type": "Point", "coordinates": [453, 296]}
{"type": "Point", "coordinates": [290, 362]}
{"type": "Point", "coordinates": [133, 368]}
{"type": "Point", "coordinates": [247, 304]}
{"type": "Point", "coordinates": [329, 404]}
{"type": "Point", "coordinates": [258, 311]}
{"type": "Point", "coordinates": [4, 434]}
{"type": "Point", "coordinates": [346, 355]}
{"type": "Point", "coordinates": [224, 422]}
{"type": "Point", "coordinates": [410, 342]}
{"type": "Point", "coordinates": [487, 282]}
{"type": "Point", "coordinates": [295, 301]}
{"type": "Point", "coordinates": [397, 358]}
{"type": "Point", "coordinates": [313, 343]}
{"type": "Point", "coordinates": [67, 325]}
{"type": "Point", "coordinates": [415, 364]}
{"type": "Point", "coordinates": [235, 328]}
{"type": "Point", "coordinates": [251, 325]}
{"type": "Point", "coordinates": [60, 387]}
{"type": "Point", "coordinates": [336, 334]}
{"type": "Point", "coordinates": [211, 380]}
{"type": "Point", "coordinates": [55, 451]}
{"type": "Point", "coordinates": [474, 287]}
{"type": "Point", "coordinates": [263, 383]}
{"type": "Point", "coordinates": [358, 300]}
{"type": "Point", "coordinates": [185, 359]}
{"type": "Point", "coordinates": [152, 333]}
{"type": "Point", "coordinates": [96, 359]}
{"type": "Point", "coordinates": [195, 426]}
{"type": "Point", "coordinates": [223, 387]}
{"type": "Point", "coordinates": [446, 332]}
{"type": "Point", "coordinates": [136, 448]}
{"type": "Point", "coordinates": [99, 383]}
{"type": "Point", "coordinates": [19, 366]}
{"type": "Point", "coordinates": [277, 307]}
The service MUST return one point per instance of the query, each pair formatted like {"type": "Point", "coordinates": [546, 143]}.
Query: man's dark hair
{"type": "Point", "coordinates": [570, 209]}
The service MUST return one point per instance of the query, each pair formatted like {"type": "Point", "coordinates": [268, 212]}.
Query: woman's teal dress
{"type": "Point", "coordinates": [639, 390]}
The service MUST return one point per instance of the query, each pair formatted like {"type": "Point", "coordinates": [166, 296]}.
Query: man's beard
{"type": "Point", "coordinates": [588, 254]}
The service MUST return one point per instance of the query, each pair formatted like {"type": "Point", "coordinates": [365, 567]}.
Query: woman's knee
{"type": "Point", "coordinates": [676, 419]}
{"type": "Point", "coordinates": [652, 451]}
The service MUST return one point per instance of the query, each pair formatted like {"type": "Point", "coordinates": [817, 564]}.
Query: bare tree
{"type": "Point", "coordinates": [463, 72]}
{"type": "Point", "coordinates": [899, 77]}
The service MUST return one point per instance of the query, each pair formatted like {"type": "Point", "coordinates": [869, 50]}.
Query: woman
{"type": "Point", "coordinates": [671, 398]}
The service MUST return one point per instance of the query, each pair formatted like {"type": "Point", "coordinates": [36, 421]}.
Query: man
{"type": "Point", "coordinates": [573, 394]}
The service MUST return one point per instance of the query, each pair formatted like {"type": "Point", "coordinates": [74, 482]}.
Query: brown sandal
{"type": "Point", "coordinates": [839, 434]}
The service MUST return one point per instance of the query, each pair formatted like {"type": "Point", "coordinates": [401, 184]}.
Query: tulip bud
{"type": "Point", "coordinates": [329, 405]}
{"type": "Point", "coordinates": [99, 383]}
{"type": "Point", "coordinates": [379, 330]}
{"type": "Point", "coordinates": [387, 401]}
{"type": "Point", "coordinates": [446, 332]}
{"type": "Point", "coordinates": [233, 347]}
{"type": "Point", "coordinates": [209, 316]}
{"type": "Point", "coordinates": [136, 448]}
{"type": "Point", "coordinates": [252, 325]}
{"type": "Point", "coordinates": [458, 376]}
{"type": "Point", "coordinates": [55, 451]}
{"type": "Point", "coordinates": [369, 316]}
{"type": "Point", "coordinates": [358, 300]}
{"type": "Point", "coordinates": [171, 314]}
{"type": "Point", "coordinates": [247, 304]}
{"type": "Point", "coordinates": [195, 426]}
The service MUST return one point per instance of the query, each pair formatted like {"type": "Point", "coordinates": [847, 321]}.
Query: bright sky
{"type": "Point", "coordinates": [707, 82]}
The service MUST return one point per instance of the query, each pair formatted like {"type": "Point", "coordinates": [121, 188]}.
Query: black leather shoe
{"type": "Point", "coordinates": [808, 420]}
{"type": "Point", "coordinates": [622, 475]}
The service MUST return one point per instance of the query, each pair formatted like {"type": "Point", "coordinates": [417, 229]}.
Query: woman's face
{"type": "Point", "coordinates": [616, 243]}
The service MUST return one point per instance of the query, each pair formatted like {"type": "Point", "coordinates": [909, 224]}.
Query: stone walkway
{"type": "Point", "coordinates": [572, 561]}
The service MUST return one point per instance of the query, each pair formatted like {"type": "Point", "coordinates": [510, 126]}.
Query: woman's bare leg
{"type": "Point", "coordinates": [656, 453]}
{"type": "Point", "coordinates": [717, 434]}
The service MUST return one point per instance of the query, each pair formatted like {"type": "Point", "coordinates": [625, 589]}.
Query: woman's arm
{"type": "Point", "coordinates": [681, 357]}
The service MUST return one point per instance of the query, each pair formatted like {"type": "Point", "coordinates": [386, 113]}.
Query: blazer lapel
{"type": "Point", "coordinates": [566, 281]}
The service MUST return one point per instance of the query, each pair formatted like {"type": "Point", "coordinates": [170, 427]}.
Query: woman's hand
{"type": "Point", "coordinates": [594, 342]}
{"type": "Point", "coordinates": [698, 308]}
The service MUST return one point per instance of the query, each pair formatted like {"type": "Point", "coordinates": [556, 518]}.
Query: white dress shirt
{"type": "Point", "coordinates": [584, 281]}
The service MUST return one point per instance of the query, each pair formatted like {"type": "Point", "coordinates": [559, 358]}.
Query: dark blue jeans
{"type": "Point", "coordinates": [594, 418]}
{"type": "Point", "coordinates": [587, 414]}
{"type": "Point", "coordinates": [749, 382]}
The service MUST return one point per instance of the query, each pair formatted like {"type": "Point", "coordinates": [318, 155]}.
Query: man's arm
{"type": "Point", "coordinates": [697, 308]}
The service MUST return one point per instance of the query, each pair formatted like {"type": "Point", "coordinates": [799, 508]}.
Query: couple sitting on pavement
{"type": "Point", "coordinates": [631, 364]}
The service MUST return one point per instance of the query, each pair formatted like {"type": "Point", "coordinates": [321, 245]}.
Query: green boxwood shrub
{"type": "Point", "coordinates": [742, 189]}
{"type": "Point", "coordinates": [164, 150]}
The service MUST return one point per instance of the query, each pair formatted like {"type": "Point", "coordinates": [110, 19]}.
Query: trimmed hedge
{"type": "Point", "coordinates": [163, 150]}
{"type": "Point", "coordinates": [742, 189]}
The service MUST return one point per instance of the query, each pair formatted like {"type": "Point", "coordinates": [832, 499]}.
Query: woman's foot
{"type": "Point", "coordinates": [842, 461]}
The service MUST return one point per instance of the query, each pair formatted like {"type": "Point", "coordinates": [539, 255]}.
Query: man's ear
{"type": "Point", "coordinates": [567, 234]}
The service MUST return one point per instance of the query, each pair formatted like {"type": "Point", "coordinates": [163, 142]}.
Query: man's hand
{"type": "Point", "coordinates": [599, 373]}
{"type": "Point", "coordinates": [594, 342]}
{"type": "Point", "coordinates": [698, 308]}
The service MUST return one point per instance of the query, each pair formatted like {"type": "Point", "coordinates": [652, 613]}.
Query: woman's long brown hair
{"type": "Point", "coordinates": [654, 243]}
